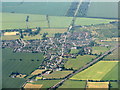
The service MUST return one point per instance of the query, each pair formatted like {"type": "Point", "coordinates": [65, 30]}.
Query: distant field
{"type": "Point", "coordinates": [114, 84]}
{"type": "Point", "coordinates": [37, 71]}
{"type": "Point", "coordinates": [46, 83]}
{"type": "Point", "coordinates": [16, 21]}
{"type": "Point", "coordinates": [73, 84]}
{"type": "Point", "coordinates": [74, 51]}
{"type": "Point", "coordinates": [31, 86]}
{"type": "Point", "coordinates": [103, 70]}
{"type": "Point", "coordinates": [99, 50]}
{"type": "Point", "coordinates": [10, 37]}
{"type": "Point", "coordinates": [79, 62]}
{"type": "Point", "coordinates": [58, 74]}
{"type": "Point", "coordinates": [113, 55]}
{"type": "Point", "coordinates": [18, 62]}
{"type": "Point", "coordinates": [97, 85]}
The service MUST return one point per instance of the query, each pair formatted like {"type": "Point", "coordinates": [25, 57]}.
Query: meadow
{"type": "Point", "coordinates": [18, 62]}
{"type": "Point", "coordinates": [17, 21]}
{"type": "Point", "coordinates": [46, 83]}
{"type": "Point", "coordinates": [99, 50]}
{"type": "Point", "coordinates": [103, 70]}
{"type": "Point", "coordinates": [113, 55]}
{"type": "Point", "coordinates": [73, 84]}
{"type": "Point", "coordinates": [74, 51]}
{"type": "Point", "coordinates": [57, 74]}
{"type": "Point", "coordinates": [79, 62]}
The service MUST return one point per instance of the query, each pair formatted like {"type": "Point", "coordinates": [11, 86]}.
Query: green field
{"type": "Point", "coordinates": [73, 51]}
{"type": "Point", "coordinates": [73, 84]}
{"type": "Point", "coordinates": [103, 70]}
{"type": "Point", "coordinates": [16, 21]}
{"type": "Point", "coordinates": [11, 63]}
{"type": "Point", "coordinates": [114, 84]}
{"type": "Point", "coordinates": [58, 74]}
{"type": "Point", "coordinates": [99, 50]}
{"type": "Point", "coordinates": [46, 83]}
{"type": "Point", "coordinates": [113, 55]}
{"type": "Point", "coordinates": [79, 62]}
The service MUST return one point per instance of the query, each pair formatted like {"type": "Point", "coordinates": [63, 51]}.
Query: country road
{"type": "Point", "coordinates": [81, 69]}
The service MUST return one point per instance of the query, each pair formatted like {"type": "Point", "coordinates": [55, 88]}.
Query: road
{"type": "Point", "coordinates": [81, 69]}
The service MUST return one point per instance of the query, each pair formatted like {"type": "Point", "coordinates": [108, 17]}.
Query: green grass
{"type": "Point", "coordinates": [58, 74]}
{"type": "Point", "coordinates": [73, 51]}
{"type": "Point", "coordinates": [73, 84]}
{"type": "Point", "coordinates": [46, 83]}
{"type": "Point", "coordinates": [103, 70]}
{"type": "Point", "coordinates": [114, 84]}
{"type": "Point", "coordinates": [16, 21]}
{"type": "Point", "coordinates": [99, 50]}
{"type": "Point", "coordinates": [79, 62]}
{"type": "Point", "coordinates": [113, 55]}
{"type": "Point", "coordinates": [11, 63]}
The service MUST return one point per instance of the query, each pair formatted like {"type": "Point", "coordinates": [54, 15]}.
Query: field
{"type": "Point", "coordinates": [73, 84]}
{"type": "Point", "coordinates": [46, 83]}
{"type": "Point", "coordinates": [74, 51]}
{"type": "Point", "coordinates": [58, 74]}
{"type": "Point", "coordinates": [79, 62]}
{"type": "Point", "coordinates": [40, 21]}
{"type": "Point", "coordinates": [103, 70]}
{"type": "Point", "coordinates": [97, 84]}
{"type": "Point", "coordinates": [10, 37]}
{"type": "Point", "coordinates": [114, 84]}
{"type": "Point", "coordinates": [18, 62]}
{"type": "Point", "coordinates": [10, 33]}
{"type": "Point", "coordinates": [37, 71]}
{"type": "Point", "coordinates": [98, 50]}
{"type": "Point", "coordinates": [113, 55]}
{"type": "Point", "coordinates": [31, 86]}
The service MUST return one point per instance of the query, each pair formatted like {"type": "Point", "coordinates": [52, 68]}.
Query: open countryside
{"type": "Point", "coordinates": [57, 45]}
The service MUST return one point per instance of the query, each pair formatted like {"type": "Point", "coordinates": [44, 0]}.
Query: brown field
{"type": "Point", "coordinates": [29, 86]}
{"type": "Point", "coordinates": [97, 84]}
{"type": "Point", "coordinates": [10, 33]}
{"type": "Point", "coordinates": [36, 72]}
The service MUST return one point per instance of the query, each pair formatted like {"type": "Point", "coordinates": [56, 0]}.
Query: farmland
{"type": "Point", "coordinates": [74, 51]}
{"type": "Point", "coordinates": [99, 72]}
{"type": "Point", "coordinates": [18, 62]}
{"type": "Point", "coordinates": [73, 84]}
{"type": "Point", "coordinates": [114, 84]}
{"type": "Point", "coordinates": [113, 55]}
{"type": "Point", "coordinates": [58, 74]}
{"type": "Point", "coordinates": [40, 21]}
{"type": "Point", "coordinates": [46, 83]}
{"type": "Point", "coordinates": [97, 84]}
{"type": "Point", "coordinates": [99, 50]}
{"type": "Point", "coordinates": [79, 62]}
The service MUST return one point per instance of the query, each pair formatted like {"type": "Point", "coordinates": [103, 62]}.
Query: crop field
{"type": "Point", "coordinates": [31, 86]}
{"type": "Point", "coordinates": [79, 62]}
{"type": "Point", "coordinates": [37, 71]}
{"type": "Point", "coordinates": [18, 62]}
{"type": "Point", "coordinates": [40, 21]}
{"type": "Point", "coordinates": [10, 37]}
{"type": "Point", "coordinates": [98, 50]}
{"type": "Point", "coordinates": [46, 83]}
{"type": "Point", "coordinates": [73, 84]}
{"type": "Point", "coordinates": [113, 55]}
{"type": "Point", "coordinates": [74, 51]}
{"type": "Point", "coordinates": [10, 33]}
{"type": "Point", "coordinates": [58, 74]}
{"type": "Point", "coordinates": [114, 84]}
{"type": "Point", "coordinates": [103, 70]}
{"type": "Point", "coordinates": [97, 85]}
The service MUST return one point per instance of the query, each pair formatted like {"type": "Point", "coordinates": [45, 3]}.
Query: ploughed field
{"type": "Point", "coordinates": [103, 70]}
{"type": "Point", "coordinates": [23, 63]}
